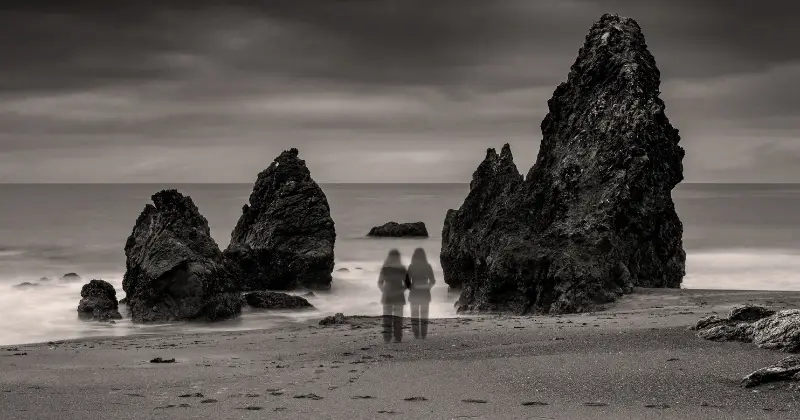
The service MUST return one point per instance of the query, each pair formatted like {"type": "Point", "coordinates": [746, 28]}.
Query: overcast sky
{"type": "Point", "coordinates": [369, 90]}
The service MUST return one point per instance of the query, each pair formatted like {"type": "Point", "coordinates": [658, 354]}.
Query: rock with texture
{"type": "Point", "coordinates": [594, 216]}
{"type": "Point", "coordinates": [98, 301]}
{"type": "Point", "coordinates": [780, 331]}
{"type": "Point", "coordinates": [337, 319]}
{"type": "Point", "coordinates": [786, 369]}
{"type": "Point", "coordinates": [174, 269]}
{"type": "Point", "coordinates": [399, 230]}
{"type": "Point", "coordinates": [276, 300]}
{"type": "Point", "coordinates": [285, 236]}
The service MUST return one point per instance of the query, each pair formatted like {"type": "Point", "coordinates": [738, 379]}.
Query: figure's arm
{"type": "Point", "coordinates": [381, 280]}
{"type": "Point", "coordinates": [431, 277]}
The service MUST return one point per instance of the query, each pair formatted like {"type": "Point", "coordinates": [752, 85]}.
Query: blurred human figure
{"type": "Point", "coordinates": [392, 282]}
{"type": "Point", "coordinates": [420, 280]}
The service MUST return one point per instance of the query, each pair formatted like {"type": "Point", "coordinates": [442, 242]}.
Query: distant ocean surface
{"type": "Point", "coordinates": [737, 236]}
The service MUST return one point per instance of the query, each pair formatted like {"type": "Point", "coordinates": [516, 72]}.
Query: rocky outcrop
{"type": "Point", "coordinates": [399, 230]}
{"type": "Point", "coordinates": [285, 236]}
{"type": "Point", "coordinates": [594, 216]}
{"type": "Point", "coordinates": [337, 319]}
{"type": "Point", "coordinates": [276, 300]}
{"type": "Point", "coordinates": [98, 301]}
{"type": "Point", "coordinates": [25, 285]}
{"type": "Point", "coordinates": [779, 331]}
{"type": "Point", "coordinates": [786, 369]}
{"type": "Point", "coordinates": [174, 269]}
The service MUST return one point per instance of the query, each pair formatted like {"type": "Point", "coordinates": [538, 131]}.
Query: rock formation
{"type": "Point", "coordinates": [174, 269]}
{"type": "Point", "coordinates": [25, 285]}
{"type": "Point", "coordinates": [786, 369]}
{"type": "Point", "coordinates": [285, 236]}
{"type": "Point", "coordinates": [594, 216]}
{"type": "Point", "coordinates": [276, 300]}
{"type": "Point", "coordinates": [761, 326]}
{"type": "Point", "coordinates": [398, 230]}
{"type": "Point", "coordinates": [98, 301]}
{"type": "Point", "coordinates": [337, 319]}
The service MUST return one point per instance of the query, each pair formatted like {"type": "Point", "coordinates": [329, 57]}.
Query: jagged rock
{"type": "Point", "coordinates": [728, 332]}
{"type": "Point", "coordinates": [749, 313]}
{"type": "Point", "coordinates": [778, 332]}
{"type": "Point", "coordinates": [337, 319]}
{"type": "Point", "coordinates": [308, 295]}
{"type": "Point", "coordinates": [786, 369]}
{"type": "Point", "coordinates": [285, 236]}
{"type": "Point", "coordinates": [399, 230]}
{"type": "Point", "coordinates": [174, 269]}
{"type": "Point", "coordinates": [98, 301]}
{"type": "Point", "coordinates": [71, 277]}
{"type": "Point", "coordinates": [276, 300]}
{"type": "Point", "coordinates": [707, 322]}
{"type": "Point", "coordinates": [594, 216]}
{"type": "Point", "coordinates": [25, 285]}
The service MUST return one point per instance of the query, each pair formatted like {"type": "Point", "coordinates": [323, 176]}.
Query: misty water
{"type": "Point", "coordinates": [737, 236]}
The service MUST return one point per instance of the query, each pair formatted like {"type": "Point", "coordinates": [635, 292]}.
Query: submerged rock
{"type": "Point", "coordinates": [285, 236]}
{"type": "Point", "coordinates": [276, 300]}
{"type": "Point", "coordinates": [25, 285]}
{"type": "Point", "coordinates": [174, 269]}
{"type": "Point", "coordinates": [71, 277]}
{"type": "Point", "coordinates": [594, 216]}
{"type": "Point", "coordinates": [98, 301]}
{"type": "Point", "coordinates": [44, 279]}
{"type": "Point", "coordinates": [399, 230]}
{"type": "Point", "coordinates": [786, 369]}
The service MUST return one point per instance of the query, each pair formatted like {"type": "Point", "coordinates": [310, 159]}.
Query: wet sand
{"type": "Point", "coordinates": [635, 360]}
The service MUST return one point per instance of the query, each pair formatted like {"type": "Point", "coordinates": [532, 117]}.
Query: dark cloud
{"type": "Point", "coordinates": [259, 75]}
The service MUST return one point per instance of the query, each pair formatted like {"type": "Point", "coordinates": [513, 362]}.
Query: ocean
{"type": "Point", "coordinates": [737, 236]}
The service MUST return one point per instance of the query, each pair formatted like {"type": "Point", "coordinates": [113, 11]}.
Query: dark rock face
{"type": "Point", "coordinates": [594, 216]}
{"type": "Point", "coordinates": [285, 236]}
{"type": "Point", "coordinates": [71, 277]}
{"type": "Point", "coordinates": [174, 269]}
{"type": "Point", "coordinates": [276, 300]}
{"type": "Point", "coordinates": [399, 230]}
{"type": "Point", "coordinates": [780, 331]}
{"type": "Point", "coordinates": [98, 301]}
{"type": "Point", "coordinates": [786, 369]}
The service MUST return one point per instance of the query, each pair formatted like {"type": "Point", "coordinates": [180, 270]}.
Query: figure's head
{"type": "Point", "coordinates": [393, 258]}
{"type": "Point", "coordinates": [419, 257]}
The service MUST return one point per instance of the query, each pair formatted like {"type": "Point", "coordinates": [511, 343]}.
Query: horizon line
{"type": "Point", "coordinates": [344, 183]}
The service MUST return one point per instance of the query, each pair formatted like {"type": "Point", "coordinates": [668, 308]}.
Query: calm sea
{"type": "Point", "coordinates": [737, 236]}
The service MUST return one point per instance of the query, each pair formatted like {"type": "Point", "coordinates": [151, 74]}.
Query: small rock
{"type": "Point", "coordinates": [749, 313]}
{"type": "Point", "coordinates": [337, 319]}
{"type": "Point", "coordinates": [398, 230]}
{"type": "Point", "coordinates": [786, 369]}
{"type": "Point", "coordinates": [160, 360]}
{"type": "Point", "coordinates": [71, 277]}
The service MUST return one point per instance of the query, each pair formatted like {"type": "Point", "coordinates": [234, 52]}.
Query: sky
{"type": "Point", "coordinates": [369, 90]}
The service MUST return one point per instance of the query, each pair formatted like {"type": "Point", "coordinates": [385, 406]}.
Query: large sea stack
{"type": "Point", "coordinates": [594, 216]}
{"type": "Point", "coordinates": [285, 236]}
{"type": "Point", "coordinates": [174, 269]}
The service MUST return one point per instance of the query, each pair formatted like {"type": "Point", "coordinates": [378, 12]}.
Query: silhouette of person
{"type": "Point", "coordinates": [420, 280]}
{"type": "Point", "coordinates": [392, 282]}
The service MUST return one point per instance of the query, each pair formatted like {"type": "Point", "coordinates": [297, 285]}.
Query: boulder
{"type": "Point", "coordinates": [786, 369]}
{"type": "Point", "coordinates": [174, 269]}
{"type": "Point", "coordinates": [594, 216]}
{"type": "Point", "coordinates": [71, 277]}
{"type": "Point", "coordinates": [780, 331]}
{"type": "Point", "coordinates": [276, 300]}
{"type": "Point", "coordinates": [399, 230]}
{"type": "Point", "coordinates": [98, 301]}
{"type": "Point", "coordinates": [285, 236]}
{"type": "Point", "coordinates": [25, 285]}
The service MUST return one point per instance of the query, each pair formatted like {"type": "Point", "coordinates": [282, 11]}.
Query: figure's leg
{"type": "Point", "coordinates": [423, 314]}
{"type": "Point", "coordinates": [387, 323]}
{"type": "Point", "coordinates": [415, 320]}
{"type": "Point", "coordinates": [398, 323]}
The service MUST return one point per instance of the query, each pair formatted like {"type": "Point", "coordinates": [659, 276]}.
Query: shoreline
{"type": "Point", "coordinates": [636, 359]}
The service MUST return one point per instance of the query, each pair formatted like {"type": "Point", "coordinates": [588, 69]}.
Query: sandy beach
{"type": "Point", "coordinates": [635, 360]}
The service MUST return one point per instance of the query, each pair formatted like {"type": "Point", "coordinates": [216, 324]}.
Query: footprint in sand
{"type": "Point", "coordinates": [595, 404]}
{"type": "Point", "coordinates": [209, 401]}
{"type": "Point", "coordinates": [474, 401]}
{"type": "Point", "coordinates": [361, 397]}
{"type": "Point", "coordinates": [660, 406]}
{"type": "Point", "coordinates": [252, 408]}
{"type": "Point", "coordinates": [310, 396]}
{"type": "Point", "coordinates": [534, 403]}
{"type": "Point", "coordinates": [415, 399]}
{"type": "Point", "coordinates": [194, 395]}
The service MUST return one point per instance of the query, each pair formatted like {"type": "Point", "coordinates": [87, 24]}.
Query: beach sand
{"type": "Point", "coordinates": [635, 360]}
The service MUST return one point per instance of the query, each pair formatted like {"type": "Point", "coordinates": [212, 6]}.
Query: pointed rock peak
{"type": "Point", "coordinates": [505, 153]}
{"type": "Point", "coordinates": [167, 200]}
